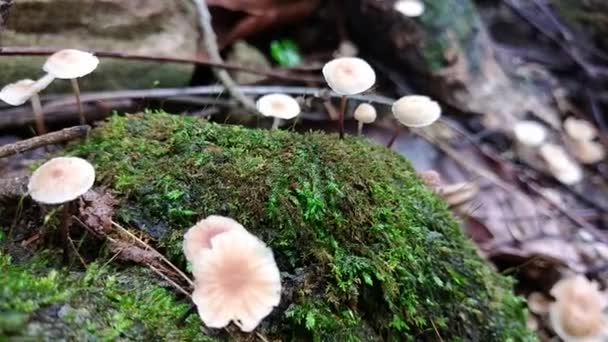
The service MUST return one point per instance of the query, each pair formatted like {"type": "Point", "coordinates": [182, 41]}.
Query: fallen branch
{"type": "Point", "coordinates": [214, 54]}
{"type": "Point", "coordinates": [285, 74]}
{"type": "Point", "coordinates": [64, 107]}
{"type": "Point", "coordinates": [44, 140]}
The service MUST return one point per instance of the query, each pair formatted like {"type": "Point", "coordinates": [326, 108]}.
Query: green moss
{"type": "Point", "coordinates": [100, 304]}
{"type": "Point", "coordinates": [450, 25]}
{"type": "Point", "coordinates": [366, 251]}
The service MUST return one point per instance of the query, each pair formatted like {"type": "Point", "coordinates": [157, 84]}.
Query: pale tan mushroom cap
{"type": "Point", "coordinates": [16, 94]}
{"type": "Point", "coordinates": [365, 113]}
{"type": "Point", "coordinates": [530, 133]}
{"type": "Point", "coordinates": [588, 151]}
{"type": "Point", "coordinates": [577, 314]}
{"type": "Point", "coordinates": [278, 106]}
{"type": "Point", "coordinates": [349, 75]}
{"type": "Point", "coordinates": [578, 129]}
{"type": "Point", "coordinates": [560, 164]}
{"type": "Point", "coordinates": [237, 280]}
{"type": "Point", "coordinates": [409, 8]}
{"type": "Point", "coordinates": [199, 236]}
{"type": "Point", "coordinates": [61, 180]}
{"type": "Point", "coordinates": [416, 110]}
{"type": "Point", "coordinates": [538, 303]}
{"type": "Point", "coordinates": [70, 63]}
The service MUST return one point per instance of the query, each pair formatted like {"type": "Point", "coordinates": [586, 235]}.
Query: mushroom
{"type": "Point", "coordinates": [16, 94]}
{"type": "Point", "coordinates": [588, 151]}
{"type": "Point", "coordinates": [577, 313]}
{"type": "Point", "coordinates": [579, 130]}
{"type": "Point", "coordinates": [236, 280]}
{"type": "Point", "coordinates": [348, 76]}
{"type": "Point", "coordinates": [279, 107]}
{"type": "Point", "coordinates": [563, 168]}
{"type": "Point", "coordinates": [70, 64]}
{"type": "Point", "coordinates": [529, 133]}
{"type": "Point", "coordinates": [364, 114]}
{"type": "Point", "coordinates": [538, 303]}
{"type": "Point", "coordinates": [61, 180]}
{"type": "Point", "coordinates": [414, 111]}
{"type": "Point", "coordinates": [409, 8]}
{"type": "Point", "coordinates": [199, 236]}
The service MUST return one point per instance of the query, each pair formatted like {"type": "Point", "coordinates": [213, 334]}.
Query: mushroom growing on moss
{"type": "Point", "coordinates": [414, 111]}
{"type": "Point", "coordinates": [578, 311]}
{"type": "Point", "coordinates": [348, 76]}
{"type": "Point", "coordinates": [16, 94]}
{"type": "Point", "coordinates": [61, 180]}
{"type": "Point", "coordinates": [279, 107]}
{"type": "Point", "coordinates": [199, 237]}
{"type": "Point", "coordinates": [364, 114]}
{"type": "Point", "coordinates": [71, 64]}
{"type": "Point", "coordinates": [236, 280]}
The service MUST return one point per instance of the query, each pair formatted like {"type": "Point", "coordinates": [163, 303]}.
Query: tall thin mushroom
{"type": "Point", "coordinates": [348, 76]}
{"type": "Point", "coordinates": [71, 64]}
{"type": "Point", "coordinates": [414, 111]}
{"type": "Point", "coordinates": [61, 180]}
{"type": "Point", "coordinates": [16, 94]}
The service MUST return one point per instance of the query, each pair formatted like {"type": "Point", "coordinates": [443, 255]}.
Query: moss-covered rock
{"type": "Point", "coordinates": [366, 251]}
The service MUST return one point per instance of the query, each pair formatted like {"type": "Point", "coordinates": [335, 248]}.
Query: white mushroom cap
{"type": "Point", "coordinates": [278, 106]}
{"type": "Point", "coordinates": [416, 110]}
{"type": "Point", "coordinates": [349, 75]}
{"type": "Point", "coordinates": [560, 164]}
{"type": "Point", "coordinates": [236, 280]}
{"type": "Point", "coordinates": [530, 133]}
{"type": "Point", "coordinates": [409, 8]}
{"type": "Point", "coordinates": [61, 180]}
{"type": "Point", "coordinates": [579, 129]}
{"type": "Point", "coordinates": [538, 303]}
{"type": "Point", "coordinates": [199, 236]}
{"type": "Point", "coordinates": [577, 314]}
{"type": "Point", "coordinates": [70, 63]}
{"type": "Point", "coordinates": [588, 151]}
{"type": "Point", "coordinates": [365, 113]}
{"type": "Point", "coordinates": [16, 94]}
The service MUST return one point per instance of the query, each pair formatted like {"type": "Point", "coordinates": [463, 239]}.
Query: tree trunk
{"type": "Point", "coordinates": [447, 53]}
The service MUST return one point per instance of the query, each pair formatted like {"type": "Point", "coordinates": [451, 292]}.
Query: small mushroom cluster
{"type": "Point", "coordinates": [65, 64]}
{"type": "Point", "coordinates": [351, 75]}
{"type": "Point", "coordinates": [577, 314]}
{"type": "Point", "coordinates": [236, 276]}
{"type": "Point", "coordinates": [531, 144]}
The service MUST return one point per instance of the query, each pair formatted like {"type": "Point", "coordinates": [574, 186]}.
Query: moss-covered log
{"type": "Point", "coordinates": [366, 251]}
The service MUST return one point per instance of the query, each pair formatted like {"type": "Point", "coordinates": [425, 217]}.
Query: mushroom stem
{"type": "Point", "coordinates": [341, 118]}
{"type": "Point", "coordinates": [360, 128]}
{"type": "Point", "coordinates": [394, 137]}
{"type": "Point", "coordinates": [74, 81]}
{"type": "Point", "coordinates": [275, 123]}
{"type": "Point", "coordinates": [66, 222]}
{"type": "Point", "coordinates": [38, 114]}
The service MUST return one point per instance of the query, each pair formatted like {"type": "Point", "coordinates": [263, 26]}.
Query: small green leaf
{"type": "Point", "coordinates": [285, 52]}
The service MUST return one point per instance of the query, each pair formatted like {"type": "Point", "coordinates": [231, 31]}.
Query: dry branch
{"type": "Point", "coordinates": [44, 140]}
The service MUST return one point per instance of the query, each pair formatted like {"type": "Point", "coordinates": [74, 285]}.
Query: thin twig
{"type": "Point", "coordinates": [436, 331]}
{"type": "Point", "coordinates": [214, 54]}
{"type": "Point", "coordinates": [77, 253]}
{"type": "Point", "coordinates": [275, 74]}
{"type": "Point", "coordinates": [162, 257]}
{"type": "Point", "coordinates": [44, 140]}
{"type": "Point", "coordinates": [170, 281]}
